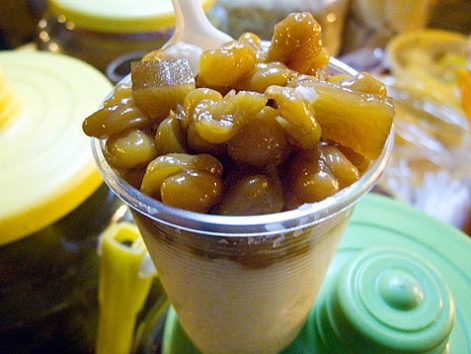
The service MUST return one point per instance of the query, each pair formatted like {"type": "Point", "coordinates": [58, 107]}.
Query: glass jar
{"type": "Point", "coordinates": [49, 282]}
{"type": "Point", "coordinates": [107, 34]}
{"type": "Point", "coordinates": [260, 17]}
{"type": "Point", "coordinates": [372, 23]}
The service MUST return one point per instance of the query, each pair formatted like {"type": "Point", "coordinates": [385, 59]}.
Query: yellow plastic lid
{"type": "Point", "coordinates": [10, 107]}
{"type": "Point", "coordinates": [119, 16]}
{"type": "Point", "coordinates": [47, 167]}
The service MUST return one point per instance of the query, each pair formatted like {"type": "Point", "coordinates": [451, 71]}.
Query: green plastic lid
{"type": "Point", "coordinates": [118, 16]}
{"type": "Point", "coordinates": [386, 300]}
{"type": "Point", "coordinates": [399, 282]}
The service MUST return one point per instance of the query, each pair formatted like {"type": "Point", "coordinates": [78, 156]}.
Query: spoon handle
{"type": "Point", "coordinates": [192, 25]}
{"type": "Point", "coordinates": [190, 14]}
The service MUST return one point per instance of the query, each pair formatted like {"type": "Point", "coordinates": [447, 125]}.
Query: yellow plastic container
{"type": "Point", "coordinates": [426, 62]}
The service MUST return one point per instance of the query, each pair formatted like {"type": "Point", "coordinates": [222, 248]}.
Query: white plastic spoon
{"type": "Point", "coordinates": [193, 27]}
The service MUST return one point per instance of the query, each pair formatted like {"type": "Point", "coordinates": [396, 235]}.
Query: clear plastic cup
{"type": "Point", "coordinates": [243, 284]}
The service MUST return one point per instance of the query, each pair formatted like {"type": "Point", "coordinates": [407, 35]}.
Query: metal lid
{"type": "Point", "coordinates": [47, 168]}
{"type": "Point", "coordinates": [118, 16]}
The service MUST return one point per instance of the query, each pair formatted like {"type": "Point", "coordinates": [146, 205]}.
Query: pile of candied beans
{"type": "Point", "coordinates": [239, 137]}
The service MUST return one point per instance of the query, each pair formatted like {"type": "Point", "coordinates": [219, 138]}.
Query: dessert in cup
{"type": "Point", "coordinates": [241, 166]}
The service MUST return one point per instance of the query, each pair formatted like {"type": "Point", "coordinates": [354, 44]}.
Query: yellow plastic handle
{"type": "Point", "coordinates": [122, 291]}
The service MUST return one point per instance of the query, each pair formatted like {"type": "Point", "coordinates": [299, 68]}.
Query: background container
{"type": "Point", "coordinates": [102, 32]}
{"type": "Point", "coordinates": [260, 17]}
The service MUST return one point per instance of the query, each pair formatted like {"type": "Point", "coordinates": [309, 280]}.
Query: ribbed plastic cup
{"type": "Point", "coordinates": [243, 284]}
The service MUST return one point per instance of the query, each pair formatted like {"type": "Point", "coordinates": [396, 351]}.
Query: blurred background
{"type": "Point", "coordinates": [19, 18]}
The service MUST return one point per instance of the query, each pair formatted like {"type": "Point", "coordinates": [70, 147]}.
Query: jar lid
{"type": "Point", "coordinates": [390, 299]}
{"type": "Point", "coordinates": [118, 16]}
{"type": "Point", "coordinates": [47, 165]}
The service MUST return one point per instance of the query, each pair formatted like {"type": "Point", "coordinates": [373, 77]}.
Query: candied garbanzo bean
{"type": "Point", "coordinates": [264, 75]}
{"type": "Point", "coordinates": [253, 131]}
{"type": "Point", "coordinates": [310, 178]}
{"type": "Point", "coordinates": [364, 82]}
{"type": "Point", "coordinates": [223, 67]}
{"type": "Point", "coordinates": [361, 162]}
{"type": "Point", "coordinates": [132, 149]}
{"type": "Point", "coordinates": [195, 97]}
{"type": "Point", "coordinates": [195, 190]}
{"type": "Point", "coordinates": [297, 42]}
{"type": "Point", "coordinates": [122, 94]}
{"type": "Point", "coordinates": [296, 116]}
{"type": "Point", "coordinates": [218, 122]}
{"type": "Point", "coordinates": [344, 170]}
{"type": "Point", "coordinates": [198, 145]}
{"type": "Point", "coordinates": [115, 119]}
{"type": "Point", "coordinates": [261, 141]}
{"type": "Point", "coordinates": [252, 195]}
{"type": "Point", "coordinates": [170, 136]}
{"type": "Point", "coordinates": [165, 166]}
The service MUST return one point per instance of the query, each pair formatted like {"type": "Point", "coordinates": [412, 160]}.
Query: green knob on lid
{"type": "Point", "coordinates": [387, 300]}
{"type": "Point", "coordinates": [400, 290]}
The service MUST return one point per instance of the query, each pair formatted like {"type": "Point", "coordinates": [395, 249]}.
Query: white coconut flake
{"type": "Point", "coordinates": [308, 93]}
